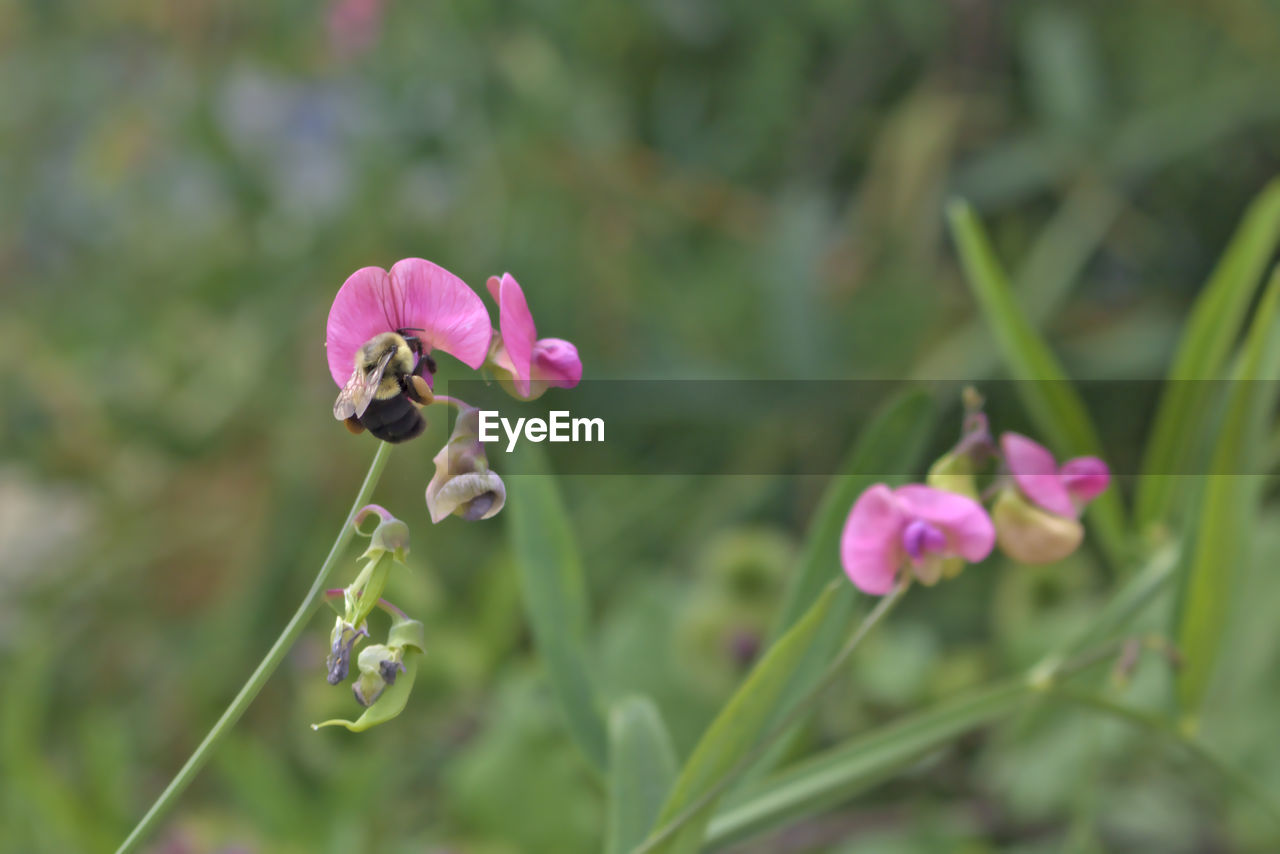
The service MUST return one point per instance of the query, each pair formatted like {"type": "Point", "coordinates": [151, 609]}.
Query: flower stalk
{"type": "Point", "coordinates": [292, 631]}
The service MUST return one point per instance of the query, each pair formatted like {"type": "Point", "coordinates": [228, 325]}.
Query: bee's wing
{"type": "Point", "coordinates": [358, 393]}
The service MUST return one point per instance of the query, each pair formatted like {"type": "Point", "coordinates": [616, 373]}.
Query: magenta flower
{"type": "Point", "coordinates": [417, 295]}
{"type": "Point", "coordinates": [531, 364]}
{"type": "Point", "coordinates": [1063, 491]}
{"type": "Point", "coordinates": [931, 531]}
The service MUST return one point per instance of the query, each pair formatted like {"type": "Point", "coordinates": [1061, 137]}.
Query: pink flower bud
{"type": "Point", "coordinates": [1062, 491]}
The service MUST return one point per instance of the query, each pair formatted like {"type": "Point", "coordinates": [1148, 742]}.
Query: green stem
{"type": "Point", "coordinates": [265, 668]}
{"type": "Point", "coordinates": [1237, 779]}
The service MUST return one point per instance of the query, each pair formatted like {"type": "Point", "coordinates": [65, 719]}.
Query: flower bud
{"type": "Point", "coordinates": [379, 665]}
{"type": "Point", "coordinates": [391, 535]}
{"type": "Point", "coordinates": [953, 472]}
{"type": "Point", "coordinates": [1031, 535]}
{"type": "Point", "coordinates": [463, 484]}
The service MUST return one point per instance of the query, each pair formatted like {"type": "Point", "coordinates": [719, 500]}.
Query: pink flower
{"type": "Point", "coordinates": [532, 364]}
{"type": "Point", "coordinates": [439, 308]}
{"type": "Point", "coordinates": [1063, 491]}
{"type": "Point", "coordinates": [929, 530]}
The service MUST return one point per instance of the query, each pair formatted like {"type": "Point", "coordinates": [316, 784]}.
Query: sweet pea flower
{"type": "Point", "coordinates": [442, 312]}
{"type": "Point", "coordinates": [930, 531]}
{"type": "Point", "coordinates": [1037, 517]}
{"type": "Point", "coordinates": [1063, 491]}
{"type": "Point", "coordinates": [531, 365]}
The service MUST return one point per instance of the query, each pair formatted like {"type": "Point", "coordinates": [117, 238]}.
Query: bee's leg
{"type": "Point", "coordinates": [354, 425]}
{"type": "Point", "coordinates": [418, 389]}
{"type": "Point", "coordinates": [425, 361]}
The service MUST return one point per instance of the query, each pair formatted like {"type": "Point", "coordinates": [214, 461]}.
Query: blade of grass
{"type": "Point", "coordinates": [642, 766]}
{"type": "Point", "coordinates": [1210, 335]}
{"type": "Point", "coordinates": [732, 735]}
{"type": "Point", "coordinates": [887, 450]}
{"type": "Point", "coordinates": [1042, 281]}
{"type": "Point", "coordinates": [1227, 504]}
{"type": "Point", "coordinates": [837, 774]}
{"type": "Point", "coordinates": [555, 599]}
{"type": "Point", "coordinates": [1044, 388]}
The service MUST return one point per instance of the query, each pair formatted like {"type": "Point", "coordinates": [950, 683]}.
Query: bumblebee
{"type": "Point", "coordinates": [385, 385]}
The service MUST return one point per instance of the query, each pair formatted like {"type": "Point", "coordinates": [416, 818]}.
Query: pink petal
{"type": "Point", "coordinates": [449, 314]}
{"type": "Point", "coordinates": [515, 322]}
{"type": "Point", "coordinates": [556, 363]}
{"type": "Point", "coordinates": [416, 294]}
{"type": "Point", "coordinates": [1036, 473]}
{"type": "Point", "coordinates": [1085, 478]}
{"type": "Point", "coordinates": [969, 531]}
{"type": "Point", "coordinates": [870, 545]}
{"type": "Point", "coordinates": [359, 312]}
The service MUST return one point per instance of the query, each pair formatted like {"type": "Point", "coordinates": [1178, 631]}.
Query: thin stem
{"type": "Point", "coordinates": [882, 608]}
{"type": "Point", "coordinates": [460, 405]}
{"type": "Point", "coordinates": [1240, 781]}
{"type": "Point", "coordinates": [265, 668]}
{"type": "Point", "coordinates": [339, 592]}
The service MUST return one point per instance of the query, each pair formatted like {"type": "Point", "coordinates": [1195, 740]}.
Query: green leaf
{"type": "Point", "coordinates": [840, 773]}
{"type": "Point", "coordinates": [1208, 339]}
{"type": "Point", "coordinates": [1227, 504]}
{"type": "Point", "coordinates": [1044, 388]}
{"type": "Point", "coordinates": [642, 766]}
{"type": "Point", "coordinates": [555, 599]}
{"type": "Point", "coordinates": [731, 737]}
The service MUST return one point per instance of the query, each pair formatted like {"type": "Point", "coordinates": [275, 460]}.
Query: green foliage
{"type": "Point", "coordinates": [731, 738]}
{"type": "Point", "coordinates": [551, 576]}
{"type": "Point", "coordinates": [1208, 339]}
{"type": "Point", "coordinates": [842, 771]}
{"type": "Point", "coordinates": [642, 767]}
{"type": "Point", "coordinates": [683, 192]}
{"type": "Point", "coordinates": [1225, 512]}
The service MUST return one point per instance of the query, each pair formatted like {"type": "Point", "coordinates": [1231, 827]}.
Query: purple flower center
{"type": "Point", "coordinates": [920, 538]}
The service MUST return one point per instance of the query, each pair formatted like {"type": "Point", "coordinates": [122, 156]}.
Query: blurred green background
{"type": "Point", "coordinates": [684, 189]}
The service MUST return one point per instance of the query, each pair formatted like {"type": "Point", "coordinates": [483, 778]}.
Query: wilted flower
{"type": "Point", "coordinates": [1037, 518]}
{"type": "Point", "coordinates": [529, 364]}
{"type": "Point", "coordinates": [463, 484]}
{"type": "Point", "coordinates": [427, 301]}
{"type": "Point", "coordinates": [930, 531]}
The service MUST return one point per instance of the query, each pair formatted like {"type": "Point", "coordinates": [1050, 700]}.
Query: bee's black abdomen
{"type": "Point", "coordinates": [395, 419]}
